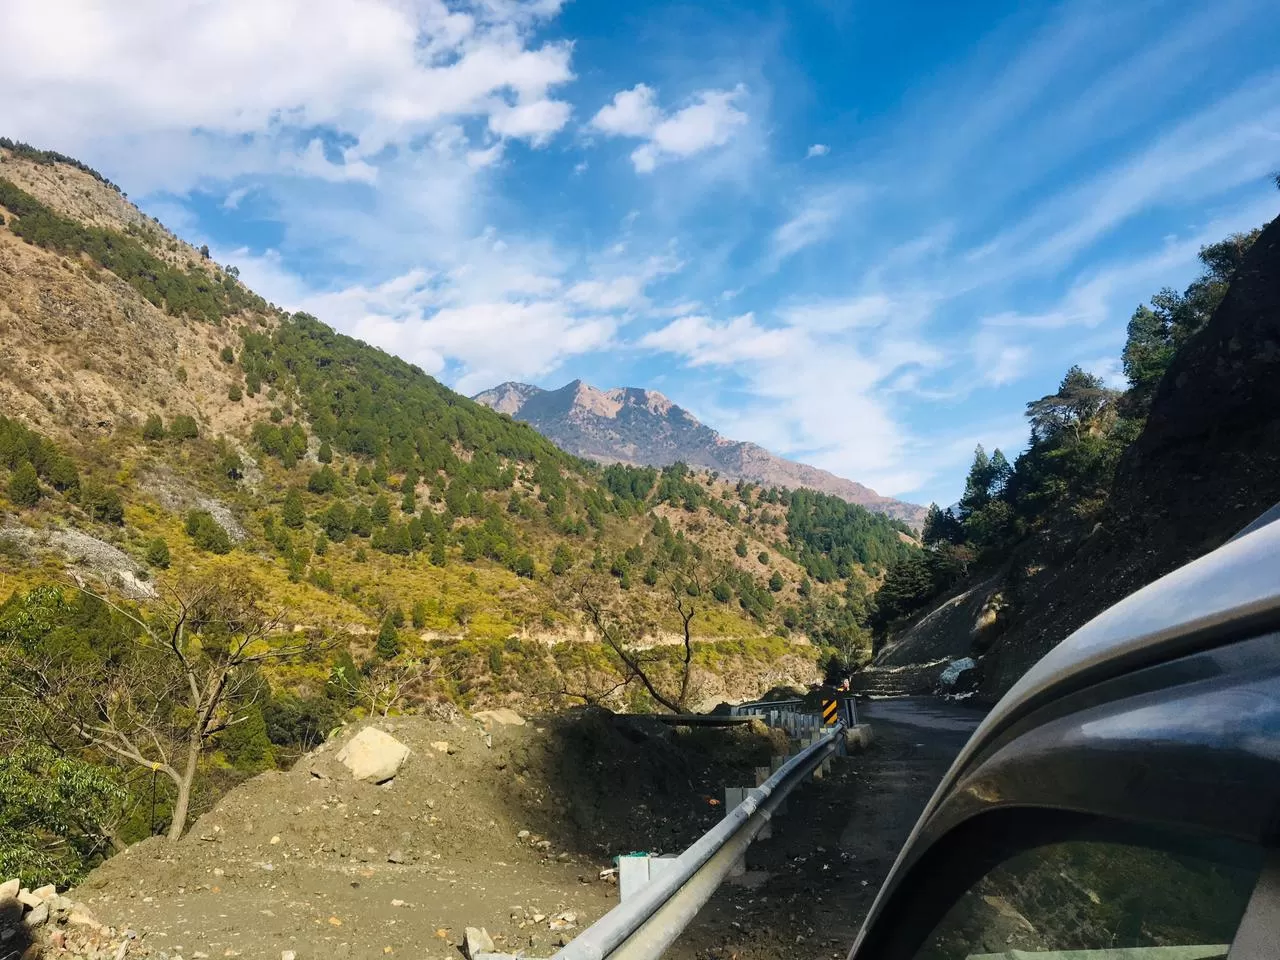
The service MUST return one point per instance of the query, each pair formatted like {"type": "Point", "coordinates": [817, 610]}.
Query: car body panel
{"type": "Point", "coordinates": [1163, 709]}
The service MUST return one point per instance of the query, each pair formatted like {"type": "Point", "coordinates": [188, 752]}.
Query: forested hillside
{"type": "Point", "coordinates": [1116, 487]}
{"type": "Point", "coordinates": [226, 529]}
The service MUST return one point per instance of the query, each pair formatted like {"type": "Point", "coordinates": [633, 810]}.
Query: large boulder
{"type": "Point", "coordinates": [502, 716]}
{"type": "Point", "coordinates": [373, 755]}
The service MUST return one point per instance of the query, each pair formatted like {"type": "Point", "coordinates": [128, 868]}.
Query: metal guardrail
{"type": "Point", "coordinates": [642, 927]}
{"type": "Point", "coordinates": [763, 706]}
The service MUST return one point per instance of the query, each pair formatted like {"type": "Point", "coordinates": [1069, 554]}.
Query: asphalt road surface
{"type": "Point", "coordinates": [808, 888]}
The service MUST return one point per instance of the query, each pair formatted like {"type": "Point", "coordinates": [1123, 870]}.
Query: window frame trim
{"type": "Point", "coordinates": [969, 852]}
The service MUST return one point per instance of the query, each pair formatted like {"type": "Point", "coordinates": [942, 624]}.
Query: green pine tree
{"type": "Point", "coordinates": [292, 512]}
{"type": "Point", "coordinates": [24, 488]}
{"type": "Point", "coordinates": [388, 644]}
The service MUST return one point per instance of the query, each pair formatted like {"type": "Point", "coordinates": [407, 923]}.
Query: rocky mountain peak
{"type": "Point", "coordinates": [645, 428]}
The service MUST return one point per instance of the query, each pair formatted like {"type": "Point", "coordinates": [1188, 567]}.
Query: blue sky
{"type": "Point", "coordinates": [861, 234]}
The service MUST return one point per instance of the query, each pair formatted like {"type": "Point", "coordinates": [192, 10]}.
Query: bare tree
{"type": "Point", "coordinates": [159, 700]}
{"type": "Point", "coordinates": [388, 683]}
{"type": "Point", "coordinates": [622, 626]}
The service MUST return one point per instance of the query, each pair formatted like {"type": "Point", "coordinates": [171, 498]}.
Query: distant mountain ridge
{"type": "Point", "coordinates": [643, 427]}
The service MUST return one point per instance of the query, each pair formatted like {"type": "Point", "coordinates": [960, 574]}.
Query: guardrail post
{"type": "Point", "coordinates": [733, 796]}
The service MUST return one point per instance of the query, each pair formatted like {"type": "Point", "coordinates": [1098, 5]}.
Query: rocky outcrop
{"type": "Point", "coordinates": [1205, 465]}
{"type": "Point", "coordinates": [644, 428]}
{"type": "Point", "coordinates": [42, 922]}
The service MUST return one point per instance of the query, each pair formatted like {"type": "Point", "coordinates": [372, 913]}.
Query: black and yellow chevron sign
{"type": "Point", "coordinates": [830, 712]}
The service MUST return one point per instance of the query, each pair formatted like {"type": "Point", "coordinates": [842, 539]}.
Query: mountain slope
{"type": "Point", "coordinates": [355, 488]}
{"type": "Point", "coordinates": [1115, 490]}
{"type": "Point", "coordinates": [642, 427]}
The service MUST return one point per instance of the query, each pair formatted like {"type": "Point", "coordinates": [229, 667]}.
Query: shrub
{"type": "Point", "coordinates": [292, 513]}
{"type": "Point", "coordinates": [325, 453]}
{"type": "Point", "coordinates": [52, 808]}
{"type": "Point", "coordinates": [231, 466]}
{"type": "Point", "coordinates": [101, 503]}
{"type": "Point", "coordinates": [234, 393]}
{"type": "Point", "coordinates": [227, 355]}
{"type": "Point", "coordinates": [322, 481]}
{"type": "Point", "coordinates": [388, 644]}
{"type": "Point", "coordinates": [561, 560]}
{"type": "Point", "coordinates": [62, 474]}
{"type": "Point", "coordinates": [153, 429]}
{"type": "Point", "coordinates": [158, 553]}
{"type": "Point", "coordinates": [206, 533]}
{"type": "Point", "coordinates": [336, 522]}
{"type": "Point", "coordinates": [183, 427]}
{"type": "Point", "coordinates": [24, 488]}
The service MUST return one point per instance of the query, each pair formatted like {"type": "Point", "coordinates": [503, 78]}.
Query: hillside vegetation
{"type": "Point", "coordinates": [226, 529]}
{"type": "Point", "coordinates": [1115, 488]}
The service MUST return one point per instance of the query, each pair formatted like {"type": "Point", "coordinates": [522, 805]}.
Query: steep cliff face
{"type": "Point", "coordinates": [643, 427]}
{"type": "Point", "coordinates": [1205, 465]}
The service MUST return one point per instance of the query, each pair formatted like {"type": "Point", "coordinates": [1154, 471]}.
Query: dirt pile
{"type": "Point", "coordinates": [507, 828]}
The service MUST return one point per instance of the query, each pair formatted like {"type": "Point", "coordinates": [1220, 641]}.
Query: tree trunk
{"type": "Point", "coordinates": [183, 802]}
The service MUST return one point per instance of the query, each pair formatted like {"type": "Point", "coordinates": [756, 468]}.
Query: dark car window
{"type": "Point", "coordinates": [1093, 900]}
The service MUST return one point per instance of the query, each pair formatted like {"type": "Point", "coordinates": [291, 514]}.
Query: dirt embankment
{"type": "Point", "coordinates": [507, 828]}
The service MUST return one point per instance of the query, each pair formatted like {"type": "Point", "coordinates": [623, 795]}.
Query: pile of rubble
{"type": "Point", "coordinates": [44, 923]}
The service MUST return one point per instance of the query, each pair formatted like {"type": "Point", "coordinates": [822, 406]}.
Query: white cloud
{"type": "Point", "coordinates": [632, 113]}
{"type": "Point", "coordinates": [232, 199]}
{"type": "Point", "coordinates": [702, 341]}
{"type": "Point", "coordinates": [607, 294]}
{"type": "Point", "coordinates": [817, 150]}
{"type": "Point", "coordinates": [710, 120]}
{"type": "Point", "coordinates": [832, 316]}
{"type": "Point", "coordinates": [810, 394]}
{"type": "Point", "coordinates": [241, 72]}
{"type": "Point", "coordinates": [811, 222]}
{"type": "Point", "coordinates": [997, 361]}
{"type": "Point", "coordinates": [506, 308]}
{"type": "Point", "coordinates": [535, 122]}
{"type": "Point", "coordinates": [479, 159]}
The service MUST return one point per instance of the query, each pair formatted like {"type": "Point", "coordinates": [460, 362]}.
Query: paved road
{"type": "Point", "coordinates": [923, 713]}
{"type": "Point", "coordinates": [810, 886]}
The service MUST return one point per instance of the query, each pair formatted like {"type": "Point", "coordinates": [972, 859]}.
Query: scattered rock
{"type": "Point", "coordinates": [38, 917]}
{"type": "Point", "coordinates": [47, 892]}
{"type": "Point", "coordinates": [476, 940]}
{"type": "Point", "coordinates": [28, 899]}
{"type": "Point", "coordinates": [502, 716]}
{"type": "Point", "coordinates": [441, 746]}
{"type": "Point", "coordinates": [288, 955]}
{"type": "Point", "coordinates": [373, 756]}
{"type": "Point", "coordinates": [9, 889]}
{"type": "Point", "coordinates": [81, 917]}
{"type": "Point", "coordinates": [397, 856]}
